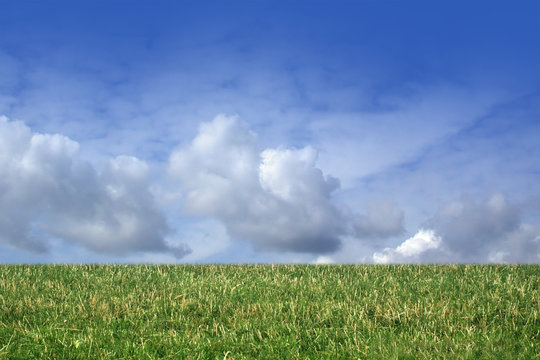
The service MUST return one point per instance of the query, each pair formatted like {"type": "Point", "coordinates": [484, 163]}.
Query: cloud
{"type": "Point", "coordinates": [46, 190]}
{"type": "Point", "coordinates": [522, 245]}
{"type": "Point", "coordinates": [371, 142]}
{"type": "Point", "coordinates": [276, 199]}
{"type": "Point", "coordinates": [469, 230]}
{"type": "Point", "coordinates": [383, 219]}
{"type": "Point", "coordinates": [413, 249]}
{"type": "Point", "coordinates": [323, 260]}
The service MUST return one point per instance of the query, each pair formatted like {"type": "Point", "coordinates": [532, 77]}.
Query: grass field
{"type": "Point", "coordinates": [269, 312]}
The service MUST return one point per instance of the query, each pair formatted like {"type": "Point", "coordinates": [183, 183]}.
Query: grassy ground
{"type": "Point", "coordinates": [269, 312]}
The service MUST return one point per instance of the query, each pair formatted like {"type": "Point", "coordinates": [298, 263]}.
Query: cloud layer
{"type": "Point", "coordinates": [276, 199]}
{"type": "Point", "coordinates": [48, 190]}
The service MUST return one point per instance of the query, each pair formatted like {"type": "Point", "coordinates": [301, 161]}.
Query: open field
{"type": "Point", "coordinates": [269, 312]}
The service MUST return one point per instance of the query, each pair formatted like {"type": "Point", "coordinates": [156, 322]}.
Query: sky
{"type": "Point", "coordinates": [269, 132]}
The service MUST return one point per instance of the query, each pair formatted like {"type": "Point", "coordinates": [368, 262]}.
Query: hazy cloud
{"type": "Point", "coordinates": [469, 230]}
{"type": "Point", "coordinates": [522, 245]}
{"type": "Point", "coordinates": [46, 189]}
{"type": "Point", "coordinates": [382, 219]}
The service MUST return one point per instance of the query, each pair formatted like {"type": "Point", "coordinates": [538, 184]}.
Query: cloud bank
{"type": "Point", "coordinates": [276, 199]}
{"type": "Point", "coordinates": [469, 230]}
{"type": "Point", "coordinates": [48, 190]}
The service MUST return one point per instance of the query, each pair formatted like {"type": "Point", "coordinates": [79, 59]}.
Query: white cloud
{"type": "Point", "coordinates": [411, 249]}
{"type": "Point", "coordinates": [324, 260]}
{"type": "Point", "coordinates": [291, 174]}
{"type": "Point", "coordinates": [276, 199]}
{"type": "Point", "coordinates": [469, 230]}
{"type": "Point", "coordinates": [46, 189]}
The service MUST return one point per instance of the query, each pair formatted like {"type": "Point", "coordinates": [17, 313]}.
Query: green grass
{"type": "Point", "coordinates": [269, 312]}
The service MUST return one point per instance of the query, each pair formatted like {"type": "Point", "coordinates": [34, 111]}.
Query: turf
{"type": "Point", "coordinates": [269, 312]}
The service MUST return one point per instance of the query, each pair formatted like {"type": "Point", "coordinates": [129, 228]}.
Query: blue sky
{"type": "Point", "coordinates": [269, 131]}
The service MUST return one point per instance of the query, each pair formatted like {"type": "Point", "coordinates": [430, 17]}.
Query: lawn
{"type": "Point", "coordinates": [269, 311]}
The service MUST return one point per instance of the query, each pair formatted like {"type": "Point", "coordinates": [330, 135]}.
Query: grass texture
{"type": "Point", "coordinates": [269, 312]}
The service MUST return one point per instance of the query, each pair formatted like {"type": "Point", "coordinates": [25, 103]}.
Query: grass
{"type": "Point", "coordinates": [269, 312]}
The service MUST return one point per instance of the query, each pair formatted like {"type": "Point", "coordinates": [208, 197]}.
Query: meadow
{"type": "Point", "coordinates": [269, 312]}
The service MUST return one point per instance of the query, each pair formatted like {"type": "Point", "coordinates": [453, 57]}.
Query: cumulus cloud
{"type": "Point", "coordinates": [469, 230]}
{"type": "Point", "coordinates": [276, 199]}
{"type": "Point", "coordinates": [413, 249]}
{"type": "Point", "coordinates": [46, 189]}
